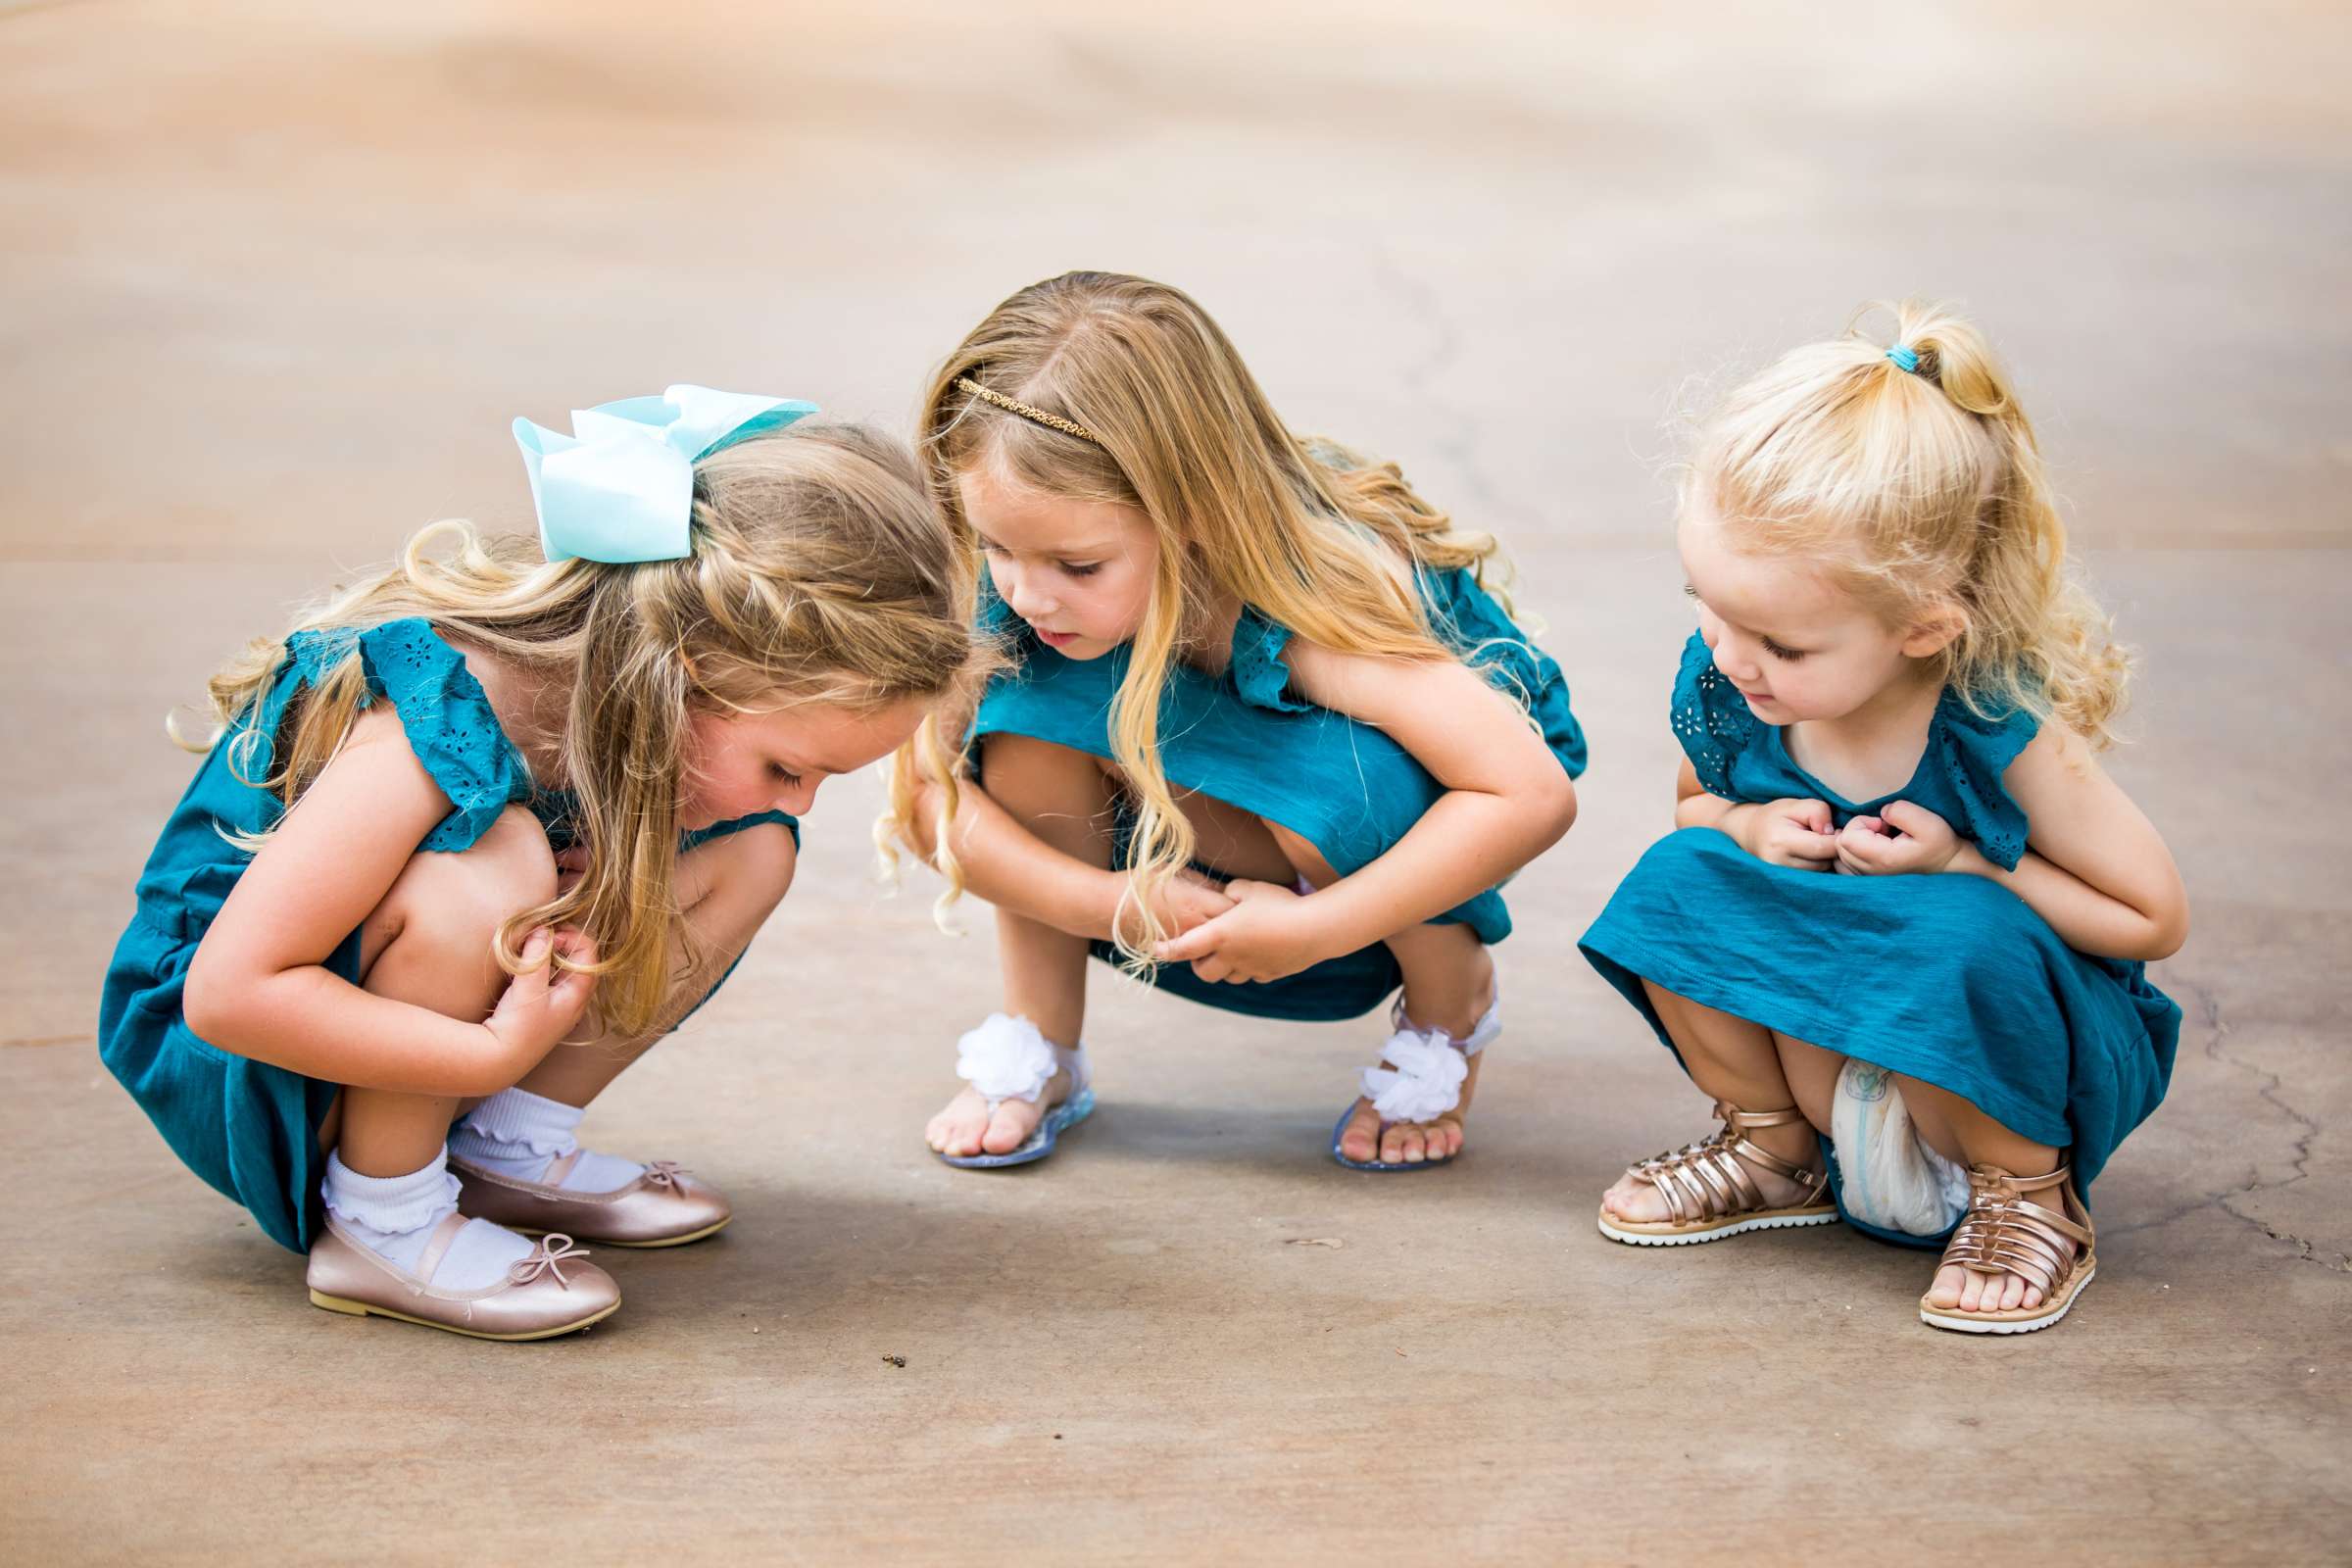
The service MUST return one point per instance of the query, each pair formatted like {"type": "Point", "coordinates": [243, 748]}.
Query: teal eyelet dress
{"type": "Point", "coordinates": [1949, 979]}
{"type": "Point", "coordinates": [1244, 738]}
{"type": "Point", "coordinates": [248, 1128]}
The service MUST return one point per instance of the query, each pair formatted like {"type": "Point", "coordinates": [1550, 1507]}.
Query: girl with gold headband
{"type": "Point", "coordinates": [483, 793]}
{"type": "Point", "coordinates": [1265, 739]}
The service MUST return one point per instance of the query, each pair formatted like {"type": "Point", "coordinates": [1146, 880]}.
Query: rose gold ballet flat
{"type": "Point", "coordinates": [544, 1294]}
{"type": "Point", "coordinates": [663, 1207]}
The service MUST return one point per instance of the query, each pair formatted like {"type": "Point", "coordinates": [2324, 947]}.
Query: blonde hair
{"type": "Point", "coordinates": [1310, 534]}
{"type": "Point", "coordinates": [819, 573]}
{"type": "Point", "coordinates": [1920, 491]}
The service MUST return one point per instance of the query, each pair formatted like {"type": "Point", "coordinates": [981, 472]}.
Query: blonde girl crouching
{"type": "Point", "coordinates": [1900, 933]}
{"type": "Point", "coordinates": [486, 792]}
{"type": "Point", "coordinates": [1265, 737]}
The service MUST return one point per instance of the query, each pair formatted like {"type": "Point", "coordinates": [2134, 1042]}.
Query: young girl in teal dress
{"type": "Point", "coordinates": [1899, 935]}
{"type": "Point", "coordinates": [483, 795]}
{"type": "Point", "coordinates": [1264, 736]}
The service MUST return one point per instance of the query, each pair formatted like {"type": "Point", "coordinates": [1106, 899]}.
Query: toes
{"type": "Point", "coordinates": [1950, 1284]}
{"type": "Point", "coordinates": [1361, 1139]}
{"type": "Point", "coordinates": [957, 1130]}
{"type": "Point", "coordinates": [1009, 1128]}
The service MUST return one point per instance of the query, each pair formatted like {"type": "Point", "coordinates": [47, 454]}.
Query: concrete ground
{"type": "Point", "coordinates": [273, 281]}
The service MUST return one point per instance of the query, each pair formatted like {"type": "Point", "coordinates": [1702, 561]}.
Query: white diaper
{"type": "Point", "coordinates": [1887, 1176]}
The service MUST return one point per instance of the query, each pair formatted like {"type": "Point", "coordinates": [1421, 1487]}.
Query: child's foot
{"type": "Point", "coordinates": [1413, 1103]}
{"type": "Point", "coordinates": [2014, 1264]}
{"type": "Point", "coordinates": [396, 1247]}
{"type": "Point", "coordinates": [1720, 1186]}
{"type": "Point", "coordinates": [661, 1205]}
{"type": "Point", "coordinates": [1015, 1077]}
{"type": "Point", "coordinates": [522, 1166]}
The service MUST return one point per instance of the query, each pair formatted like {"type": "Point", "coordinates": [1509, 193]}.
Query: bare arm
{"type": "Point", "coordinates": [1693, 806]}
{"type": "Point", "coordinates": [258, 985]}
{"type": "Point", "coordinates": [1014, 869]}
{"type": "Point", "coordinates": [1508, 799]}
{"type": "Point", "coordinates": [2098, 870]}
{"type": "Point", "coordinates": [1790, 832]}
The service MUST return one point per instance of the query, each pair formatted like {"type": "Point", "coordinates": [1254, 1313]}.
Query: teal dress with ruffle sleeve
{"type": "Point", "coordinates": [1244, 738]}
{"type": "Point", "coordinates": [249, 1129]}
{"type": "Point", "coordinates": [1950, 979]}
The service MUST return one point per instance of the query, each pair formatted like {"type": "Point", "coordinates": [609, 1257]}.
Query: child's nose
{"type": "Point", "coordinates": [1733, 661]}
{"type": "Point", "coordinates": [1026, 602]}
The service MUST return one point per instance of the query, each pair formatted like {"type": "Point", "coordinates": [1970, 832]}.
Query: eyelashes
{"type": "Point", "coordinates": [998, 552]}
{"type": "Point", "coordinates": [1787, 655]}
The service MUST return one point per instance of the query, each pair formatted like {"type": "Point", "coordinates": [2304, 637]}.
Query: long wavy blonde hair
{"type": "Point", "coordinates": [820, 573]}
{"type": "Point", "coordinates": [1316, 538]}
{"type": "Point", "coordinates": [1920, 491]}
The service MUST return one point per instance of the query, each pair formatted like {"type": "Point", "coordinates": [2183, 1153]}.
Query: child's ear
{"type": "Point", "coordinates": [1934, 631]}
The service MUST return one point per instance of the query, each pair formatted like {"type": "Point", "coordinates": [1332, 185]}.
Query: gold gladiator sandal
{"type": "Point", "coordinates": [2002, 1233]}
{"type": "Point", "coordinates": [1710, 1195]}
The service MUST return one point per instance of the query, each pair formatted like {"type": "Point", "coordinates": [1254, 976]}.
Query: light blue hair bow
{"type": "Point", "coordinates": [620, 488]}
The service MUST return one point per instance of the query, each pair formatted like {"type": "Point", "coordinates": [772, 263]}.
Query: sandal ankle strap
{"type": "Point", "coordinates": [1710, 1180]}
{"type": "Point", "coordinates": [2004, 1232]}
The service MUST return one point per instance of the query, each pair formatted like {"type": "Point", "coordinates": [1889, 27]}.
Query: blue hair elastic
{"type": "Point", "coordinates": [1904, 358]}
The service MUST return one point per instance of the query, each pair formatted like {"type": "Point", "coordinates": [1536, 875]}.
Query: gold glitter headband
{"type": "Point", "coordinates": [1051, 422]}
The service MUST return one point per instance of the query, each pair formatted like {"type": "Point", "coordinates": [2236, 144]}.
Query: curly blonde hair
{"type": "Point", "coordinates": [1921, 490]}
{"type": "Point", "coordinates": [819, 573]}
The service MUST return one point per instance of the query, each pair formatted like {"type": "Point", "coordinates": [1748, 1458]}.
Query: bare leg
{"type": "Point", "coordinates": [1448, 985]}
{"type": "Point", "coordinates": [429, 942]}
{"type": "Point", "coordinates": [1064, 798]}
{"type": "Point", "coordinates": [1958, 1131]}
{"type": "Point", "coordinates": [1738, 1063]}
{"type": "Point", "coordinates": [1812, 1075]}
{"type": "Point", "coordinates": [727, 889]}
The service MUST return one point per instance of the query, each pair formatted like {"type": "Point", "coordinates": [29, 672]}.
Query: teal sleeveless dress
{"type": "Point", "coordinates": [1244, 738]}
{"type": "Point", "coordinates": [1950, 979]}
{"type": "Point", "coordinates": [248, 1128]}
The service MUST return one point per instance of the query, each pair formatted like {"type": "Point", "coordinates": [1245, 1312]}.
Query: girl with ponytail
{"type": "Point", "coordinates": [1901, 933]}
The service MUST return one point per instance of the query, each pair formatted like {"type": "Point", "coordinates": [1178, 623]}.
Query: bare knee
{"type": "Point", "coordinates": [1304, 858]}
{"type": "Point", "coordinates": [1812, 1075]}
{"type": "Point", "coordinates": [1018, 763]}
{"type": "Point", "coordinates": [455, 902]}
{"type": "Point", "coordinates": [748, 869]}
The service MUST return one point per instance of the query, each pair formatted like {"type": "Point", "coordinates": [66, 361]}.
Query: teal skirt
{"type": "Point", "coordinates": [249, 1129]}
{"type": "Point", "coordinates": [1950, 979]}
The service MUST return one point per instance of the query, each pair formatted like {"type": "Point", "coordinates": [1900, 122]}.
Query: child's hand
{"type": "Point", "coordinates": [1265, 935]}
{"type": "Point", "coordinates": [1789, 832]}
{"type": "Point", "coordinates": [1187, 899]}
{"type": "Point", "coordinates": [533, 1016]}
{"type": "Point", "coordinates": [1907, 841]}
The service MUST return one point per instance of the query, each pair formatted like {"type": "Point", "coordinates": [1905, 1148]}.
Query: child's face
{"type": "Point", "coordinates": [1796, 644]}
{"type": "Point", "coordinates": [1079, 572]}
{"type": "Point", "coordinates": [740, 765]}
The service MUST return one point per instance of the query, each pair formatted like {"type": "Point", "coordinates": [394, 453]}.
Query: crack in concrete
{"type": "Point", "coordinates": [50, 1040]}
{"type": "Point", "coordinates": [2267, 1086]}
{"type": "Point", "coordinates": [1421, 302]}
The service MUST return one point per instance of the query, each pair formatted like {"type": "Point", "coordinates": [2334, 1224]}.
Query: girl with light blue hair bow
{"type": "Point", "coordinates": [548, 793]}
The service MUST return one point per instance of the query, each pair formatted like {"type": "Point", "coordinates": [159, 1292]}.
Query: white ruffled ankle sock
{"type": "Point", "coordinates": [395, 1216]}
{"type": "Point", "coordinates": [518, 1135]}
